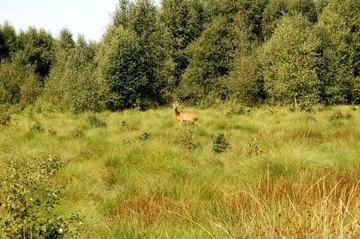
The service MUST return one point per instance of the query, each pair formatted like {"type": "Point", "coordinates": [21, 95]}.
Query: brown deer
{"type": "Point", "coordinates": [181, 116]}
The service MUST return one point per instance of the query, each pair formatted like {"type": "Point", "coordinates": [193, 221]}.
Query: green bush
{"type": "Point", "coordinates": [37, 127]}
{"type": "Point", "coordinates": [77, 133]}
{"type": "Point", "coordinates": [145, 136]}
{"type": "Point", "coordinates": [252, 148]}
{"type": "Point", "coordinates": [4, 118]}
{"type": "Point", "coordinates": [95, 121]}
{"type": "Point", "coordinates": [339, 115]}
{"type": "Point", "coordinates": [74, 84]}
{"type": "Point", "coordinates": [28, 198]}
{"type": "Point", "coordinates": [220, 144]}
{"type": "Point", "coordinates": [238, 109]}
{"type": "Point", "coordinates": [188, 139]}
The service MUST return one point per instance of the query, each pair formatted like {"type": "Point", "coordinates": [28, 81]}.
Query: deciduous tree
{"type": "Point", "coordinates": [339, 70]}
{"type": "Point", "coordinates": [7, 41]}
{"type": "Point", "coordinates": [289, 62]}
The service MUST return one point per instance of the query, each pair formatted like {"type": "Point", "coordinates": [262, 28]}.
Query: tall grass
{"type": "Point", "coordinates": [285, 175]}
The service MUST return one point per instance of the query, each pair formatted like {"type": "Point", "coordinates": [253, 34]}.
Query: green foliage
{"type": "Point", "coordinates": [201, 52]}
{"type": "Point", "coordinates": [18, 85]}
{"type": "Point", "coordinates": [145, 136]}
{"type": "Point", "coordinates": [29, 58]}
{"type": "Point", "coordinates": [28, 199]}
{"type": "Point", "coordinates": [10, 89]}
{"type": "Point", "coordinates": [123, 71]}
{"type": "Point", "coordinates": [320, 5]}
{"type": "Point", "coordinates": [246, 82]}
{"type": "Point", "coordinates": [37, 127]}
{"type": "Point", "coordinates": [132, 60]}
{"type": "Point", "coordinates": [238, 109]}
{"type": "Point", "coordinates": [248, 23]}
{"type": "Point", "coordinates": [7, 41]}
{"type": "Point", "coordinates": [253, 148]}
{"type": "Point", "coordinates": [77, 133]}
{"type": "Point", "coordinates": [220, 143]}
{"type": "Point", "coordinates": [4, 118]}
{"type": "Point", "coordinates": [66, 40]}
{"type": "Point", "coordinates": [338, 115]}
{"type": "Point", "coordinates": [131, 83]}
{"type": "Point", "coordinates": [120, 16]}
{"type": "Point", "coordinates": [338, 70]}
{"type": "Point", "coordinates": [276, 9]}
{"type": "Point", "coordinates": [181, 22]}
{"type": "Point", "coordinates": [34, 47]}
{"type": "Point", "coordinates": [306, 8]}
{"type": "Point", "coordinates": [52, 131]}
{"type": "Point", "coordinates": [289, 63]}
{"type": "Point", "coordinates": [74, 82]}
{"type": "Point", "coordinates": [211, 56]}
{"type": "Point", "coordinates": [95, 121]}
{"type": "Point", "coordinates": [188, 139]}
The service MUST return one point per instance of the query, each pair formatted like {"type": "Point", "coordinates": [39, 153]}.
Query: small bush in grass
{"type": "Point", "coordinates": [77, 134]}
{"type": "Point", "coordinates": [95, 121]}
{"type": "Point", "coordinates": [27, 199]}
{"type": "Point", "coordinates": [5, 119]}
{"type": "Point", "coordinates": [353, 108]}
{"type": "Point", "coordinates": [238, 110]}
{"type": "Point", "coordinates": [52, 131]}
{"type": "Point", "coordinates": [335, 116]}
{"type": "Point", "coordinates": [37, 127]}
{"type": "Point", "coordinates": [339, 115]}
{"type": "Point", "coordinates": [123, 123]}
{"type": "Point", "coordinates": [252, 148]}
{"type": "Point", "coordinates": [307, 107]}
{"type": "Point", "coordinates": [44, 108]}
{"type": "Point", "coordinates": [145, 136]}
{"type": "Point", "coordinates": [310, 118]}
{"type": "Point", "coordinates": [188, 139]}
{"type": "Point", "coordinates": [220, 144]}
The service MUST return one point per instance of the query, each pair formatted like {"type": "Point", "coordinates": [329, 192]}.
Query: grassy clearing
{"type": "Point", "coordinates": [286, 174]}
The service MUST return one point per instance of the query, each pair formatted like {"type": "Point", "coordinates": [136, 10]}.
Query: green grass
{"type": "Point", "coordinates": [285, 175]}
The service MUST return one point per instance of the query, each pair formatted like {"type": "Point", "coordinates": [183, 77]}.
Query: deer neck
{"type": "Point", "coordinates": [177, 113]}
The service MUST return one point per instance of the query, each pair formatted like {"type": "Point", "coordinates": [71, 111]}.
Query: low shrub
{"type": "Point", "coordinates": [253, 148]}
{"type": "Point", "coordinates": [145, 136]}
{"type": "Point", "coordinates": [95, 121]}
{"type": "Point", "coordinates": [188, 139]}
{"type": "Point", "coordinates": [28, 198]}
{"type": "Point", "coordinates": [5, 119]}
{"type": "Point", "coordinates": [238, 110]}
{"type": "Point", "coordinates": [220, 144]}
{"type": "Point", "coordinates": [77, 133]}
{"type": "Point", "coordinates": [37, 127]}
{"type": "Point", "coordinates": [339, 115]}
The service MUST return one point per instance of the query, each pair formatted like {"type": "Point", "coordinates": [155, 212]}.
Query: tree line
{"type": "Point", "coordinates": [200, 52]}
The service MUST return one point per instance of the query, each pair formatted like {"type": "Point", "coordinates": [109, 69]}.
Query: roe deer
{"type": "Point", "coordinates": [181, 116]}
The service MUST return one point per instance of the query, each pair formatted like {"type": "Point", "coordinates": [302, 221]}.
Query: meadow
{"type": "Point", "coordinates": [264, 172]}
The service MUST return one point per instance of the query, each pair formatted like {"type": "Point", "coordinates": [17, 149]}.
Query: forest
{"type": "Point", "coordinates": [199, 52]}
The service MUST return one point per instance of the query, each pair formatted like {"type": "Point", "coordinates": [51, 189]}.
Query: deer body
{"type": "Point", "coordinates": [181, 116]}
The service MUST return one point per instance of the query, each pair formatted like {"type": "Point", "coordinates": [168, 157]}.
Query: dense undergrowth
{"type": "Point", "coordinates": [248, 173]}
